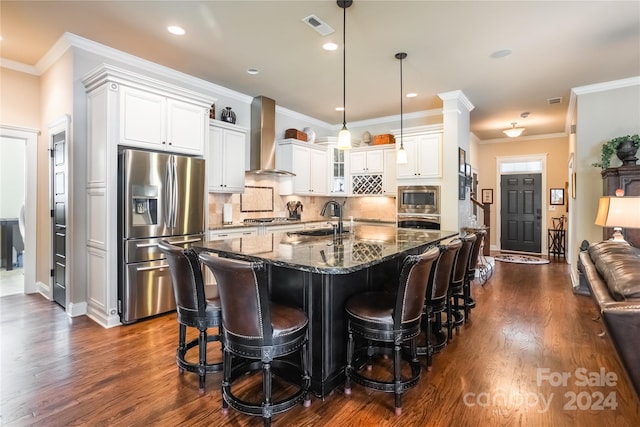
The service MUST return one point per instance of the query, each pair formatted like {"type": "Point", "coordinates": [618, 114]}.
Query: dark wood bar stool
{"type": "Point", "coordinates": [469, 302]}
{"type": "Point", "coordinates": [194, 310]}
{"type": "Point", "coordinates": [435, 302]}
{"type": "Point", "coordinates": [258, 334]}
{"type": "Point", "coordinates": [385, 321]}
{"type": "Point", "coordinates": [455, 300]}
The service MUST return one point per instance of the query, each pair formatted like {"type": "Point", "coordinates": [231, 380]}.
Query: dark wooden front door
{"type": "Point", "coordinates": [59, 218]}
{"type": "Point", "coordinates": [520, 212]}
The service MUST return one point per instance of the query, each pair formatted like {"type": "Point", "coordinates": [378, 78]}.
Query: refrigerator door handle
{"type": "Point", "coordinates": [167, 196]}
{"type": "Point", "coordinates": [182, 242]}
{"type": "Point", "coordinates": [174, 184]}
{"type": "Point", "coordinates": [157, 267]}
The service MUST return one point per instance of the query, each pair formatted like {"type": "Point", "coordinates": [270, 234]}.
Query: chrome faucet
{"type": "Point", "coordinates": [337, 210]}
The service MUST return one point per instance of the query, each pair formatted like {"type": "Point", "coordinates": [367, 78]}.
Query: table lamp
{"type": "Point", "coordinates": [618, 212]}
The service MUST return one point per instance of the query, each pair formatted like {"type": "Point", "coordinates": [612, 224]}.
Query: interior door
{"type": "Point", "coordinates": [59, 217]}
{"type": "Point", "coordinates": [520, 212]}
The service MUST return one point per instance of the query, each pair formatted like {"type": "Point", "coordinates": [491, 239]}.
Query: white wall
{"type": "Point", "coordinates": [12, 179]}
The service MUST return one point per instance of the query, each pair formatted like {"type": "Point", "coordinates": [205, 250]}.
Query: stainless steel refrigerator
{"type": "Point", "coordinates": [161, 196]}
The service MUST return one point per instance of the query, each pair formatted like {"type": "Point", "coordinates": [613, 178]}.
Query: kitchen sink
{"type": "Point", "coordinates": [316, 232]}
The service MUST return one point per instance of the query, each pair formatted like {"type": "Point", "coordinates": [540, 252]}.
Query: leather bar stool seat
{"type": "Point", "coordinates": [259, 335]}
{"type": "Point", "coordinates": [455, 300]}
{"type": "Point", "coordinates": [469, 302]}
{"type": "Point", "coordinates": [435, 302]}
{"type": "Point", "coordinates": [194, 310]}
{"type": "Point", "coordinates": [381, 323]}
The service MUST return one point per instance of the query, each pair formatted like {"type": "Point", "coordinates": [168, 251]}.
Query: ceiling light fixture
{"type": "Point", "coordinates": [330, 46]}
{"type": "Point", "coordinates": [402, 153]}
{"type": "Point", "coordinates": [513, 132]}
{"type": "Point", "coordinates": [344, 137]}
{"type": "Point", "coordinates": [176, 30]}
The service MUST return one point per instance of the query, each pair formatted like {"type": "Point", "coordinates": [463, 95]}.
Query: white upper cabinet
{"type": "Point", "coordinates": [308, 162]}
{"type": "Point", "coordinates": [366, 161]}
{"type": "Point", "coordinates": [424, 155]}
{"type": "Point", "coordinates": [371, 171]}
{"type": "Point", "coordinates": [226, 157]}
{"type": "Point", "coordinates": [389, 187]}
{"type": "Point", "coordinates": [158, 122]}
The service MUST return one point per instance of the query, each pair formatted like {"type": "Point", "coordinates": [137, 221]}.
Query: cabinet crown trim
{"type": "Point", "coordinates": [108, 73]}
{"type": "Point", "coordinates": [225, 125]}
{"type": "Point", "coordinates": [419, 130]}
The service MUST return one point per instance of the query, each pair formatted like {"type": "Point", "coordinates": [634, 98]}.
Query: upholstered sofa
{"type": "Point", "coordinates": [612, 271]}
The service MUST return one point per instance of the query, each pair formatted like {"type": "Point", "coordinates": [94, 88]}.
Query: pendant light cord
{"type": "Point", "coordinates": [344, 67]}
{"type": "Point", "coordinates": [401, 115]}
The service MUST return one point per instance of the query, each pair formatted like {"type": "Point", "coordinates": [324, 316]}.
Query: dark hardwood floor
{"type": "Point", "coordinates": [528, 327]}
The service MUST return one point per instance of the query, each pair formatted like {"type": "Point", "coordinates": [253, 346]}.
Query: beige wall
{"type": "Point", "coordinates": [19, 99]}
{"type": "Point", "coordinates": [56, 95]}
{"type": "Point", "coordinates": [557, 154]}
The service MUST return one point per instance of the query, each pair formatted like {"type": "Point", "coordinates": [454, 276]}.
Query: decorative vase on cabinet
{"type": "Point", "coordinates": [228, 115]}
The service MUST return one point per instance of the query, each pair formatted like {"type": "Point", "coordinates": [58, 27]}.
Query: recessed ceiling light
{"type": "Point", "coordinates": [412, 95]}
{"type": "Point", "coordinates": [253, 71]}
{"type": "Point", "coordinates": [174, 29]}
{"type": "Point", "coordinates": [339, 108]}
{"type": "Point", "coordinates": [330, 46]}
{"type": "Point", "coordinates": [501, 53]}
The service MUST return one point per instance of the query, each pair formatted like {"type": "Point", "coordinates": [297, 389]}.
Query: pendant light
{"type": "Point", "coordinates": [344, 137]}
{"type": "Point", "coordinates": [402, 153]}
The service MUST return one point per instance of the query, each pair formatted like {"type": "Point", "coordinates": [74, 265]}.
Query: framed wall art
{"type": "Point", "coordinates": [556, 196]}
{"type": "Point", "coordinates": [487, 196]}
{"type": "Point", "coordinates": [462, 161]}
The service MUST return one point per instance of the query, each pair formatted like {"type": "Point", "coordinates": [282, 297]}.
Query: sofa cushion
{"type": "Point", "coordinates": [619, 265]}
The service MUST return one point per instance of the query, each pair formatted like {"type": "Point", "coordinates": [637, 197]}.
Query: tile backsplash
{"type": "Point", "coordinates": [375, 207]}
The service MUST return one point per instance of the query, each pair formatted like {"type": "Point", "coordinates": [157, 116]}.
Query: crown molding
{"type": "Point", "coordinates": [594, 88]}
{"type": "Point", "coordinates": [299, 116]}
{"type": "Point", "coordinates": [459, 96]}
{"type": "Point", "coordinates": [524, 138]}
{"type": "Point", "coordinates": [392, 119]}
{"type": "Point", "coordinates": [68, 40]}
{"type": "Point", "coordinates": [18, 66]}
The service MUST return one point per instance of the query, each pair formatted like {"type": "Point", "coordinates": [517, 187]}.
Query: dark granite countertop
{"type": "Point", "coordinates": [213, 227]}
{"type": "Point", "coordinates": [366, 246]}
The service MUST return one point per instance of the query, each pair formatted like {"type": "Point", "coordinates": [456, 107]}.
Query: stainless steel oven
{"type": "Point", "coordinates": [419, 199]}
{"type": "Point", "coordinates": [422, 222]}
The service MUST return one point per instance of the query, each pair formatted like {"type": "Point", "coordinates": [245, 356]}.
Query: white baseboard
{"type": "Point", "coordinates": [44, 289]}
{"type": "Point", "coordinates": [101, 319]}
{"type": "Point", "coordinates": [77, 309]}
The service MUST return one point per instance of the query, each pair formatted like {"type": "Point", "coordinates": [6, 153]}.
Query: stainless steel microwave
{"type": "Point", "coordinates": [419, 199]}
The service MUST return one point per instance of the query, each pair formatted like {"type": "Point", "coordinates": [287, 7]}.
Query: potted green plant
{"type": "Point", "coordinates": [625, 147]}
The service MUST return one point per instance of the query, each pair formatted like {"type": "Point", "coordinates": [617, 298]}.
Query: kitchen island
{"type": "Point", "coordinates": [319, 273]}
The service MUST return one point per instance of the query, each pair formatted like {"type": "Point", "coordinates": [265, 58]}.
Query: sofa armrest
{"type": "Point", "coordinates": [622, 321]}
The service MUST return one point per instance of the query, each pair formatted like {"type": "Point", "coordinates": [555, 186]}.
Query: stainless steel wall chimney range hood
{"type": "Point", "coordinates": [262, 152]}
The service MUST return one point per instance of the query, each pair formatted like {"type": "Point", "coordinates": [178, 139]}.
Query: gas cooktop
{"type": "Point", "coordinates": [264, 220]}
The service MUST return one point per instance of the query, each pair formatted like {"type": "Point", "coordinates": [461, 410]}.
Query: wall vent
{"type": "Point", "coordinates": [318, 25]}
{"type": "Point", "coordinates": [557, 100]}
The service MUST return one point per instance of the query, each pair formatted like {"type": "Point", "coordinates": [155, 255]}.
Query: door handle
{"type": "Point", "coordinates": [182, 242]}
{"type": "Point", "coordinates": [157, 267]}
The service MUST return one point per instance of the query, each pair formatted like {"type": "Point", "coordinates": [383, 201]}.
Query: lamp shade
{"type": "Point", "coordinates": [344, 139]}
{"type": "Point", "coordinates": [619, 212]}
